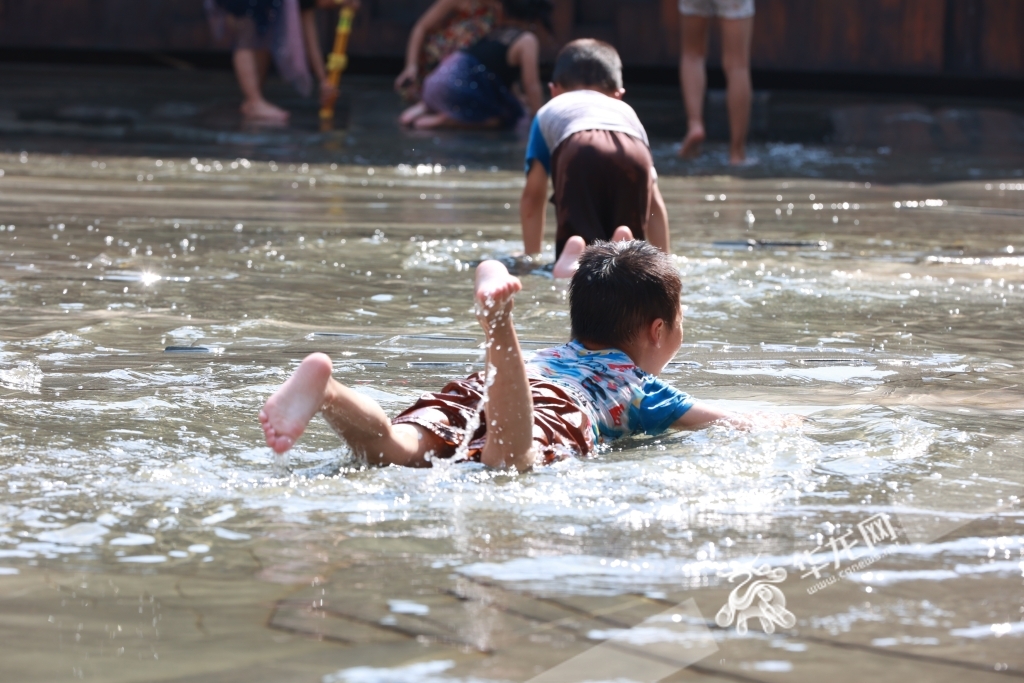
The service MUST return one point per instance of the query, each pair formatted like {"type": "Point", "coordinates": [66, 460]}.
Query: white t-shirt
{"type": "Point", "coordinates": [574, 111]}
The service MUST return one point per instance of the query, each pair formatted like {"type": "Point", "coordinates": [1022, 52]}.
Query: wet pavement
{"type": "Point", "coordinates": [153, 112]}
{"type": "Point", "coordinates": [155, 288]}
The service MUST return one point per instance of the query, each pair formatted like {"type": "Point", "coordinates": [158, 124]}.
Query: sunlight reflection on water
{"type": "Point", "coordinates": [118, 457]}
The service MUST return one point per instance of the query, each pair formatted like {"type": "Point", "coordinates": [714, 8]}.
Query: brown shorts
{"type": "Point", "coordinates": [603, 179]}
{"type": "Point", "coordinates": [560, 427]}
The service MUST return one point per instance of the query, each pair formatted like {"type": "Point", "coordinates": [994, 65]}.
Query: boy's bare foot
{"type": "Point", "coordinates": [409, 116]}
{"type": "Point", "coordinates": [494, 289]}
{"type": "Point", "coordinates": [691, 143]}
{"type": "Point", "coordinates": [568, 262]}
{"type": "Point", "coordinates": [285, 414]}
{"type": "Point", "coordinates": [263, 111]}
{"type": "Point", "coordinates": [622, 234]}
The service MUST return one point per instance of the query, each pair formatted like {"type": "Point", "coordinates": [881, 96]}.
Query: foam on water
{"type": "Point", "coordinates": [423, 672]}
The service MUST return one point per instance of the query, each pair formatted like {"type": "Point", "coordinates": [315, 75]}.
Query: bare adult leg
{"type": "Point", "coordinates": [509, 401]}
{"type": "Point", "coordinates": [736, 38]}
{"type": "Point", "coordinates": [247, 70]}
{"type": "Point", "coordinates": [314, 54]}
{"type": "Point", "coordinates": [356, 418]}
{"type": "Point", "coordinates": [263, 64]}
{"type": "Point", "coordinates": [693, 78]}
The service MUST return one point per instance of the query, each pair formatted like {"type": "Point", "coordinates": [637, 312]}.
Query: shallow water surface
{"type": "Point", "coordinates": [150, 306]}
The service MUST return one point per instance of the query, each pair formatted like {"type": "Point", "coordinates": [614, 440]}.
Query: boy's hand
{"type": "Point", "coordinates": [761, 420]}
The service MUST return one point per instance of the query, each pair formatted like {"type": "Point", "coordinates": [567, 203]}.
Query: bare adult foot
{"type": "Point", "coordinates": [285, 414]}
{"type": "Point", "coordinates": [622, 234]}
{"type": "Point", "coordinates": [263, 111]}
{"type": "Point", "coordinates": [738, 157]}
{"type": "Point", "coordinates": [691, 143]}
{"type": "Point", "coordinates": [409, 116]}
{"type": "Point", "coordinates": [568, 262]}
{"type": "Point", "coordinates": [494, 289]}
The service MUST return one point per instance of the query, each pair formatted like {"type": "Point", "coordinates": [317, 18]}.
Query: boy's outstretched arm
{"type": "Point", "coordinates": [657, 226]}
{"type": "Point", "coordinates": [701, 415]}
{"type": "Point", "coordinates": [532, 208]}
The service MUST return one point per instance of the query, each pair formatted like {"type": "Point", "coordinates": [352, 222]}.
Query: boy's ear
{"type": "Point", "coordinates": [655, 331]}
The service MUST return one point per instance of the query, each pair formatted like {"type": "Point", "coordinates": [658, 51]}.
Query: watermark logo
{"type": "Point", "coordinates": [874, 531]}
{"type": "Point", "coordinates": [756, 598]}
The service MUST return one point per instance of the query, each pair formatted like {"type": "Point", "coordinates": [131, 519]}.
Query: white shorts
{"type": "Point", "coordinates": [725, 9]}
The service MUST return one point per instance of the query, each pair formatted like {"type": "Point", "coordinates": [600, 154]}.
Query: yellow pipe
{"type": "Point", "coordinates": [337, 61]}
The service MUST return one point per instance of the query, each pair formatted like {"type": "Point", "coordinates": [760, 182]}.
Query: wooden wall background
{"type": "Point", "coordinates": [981, 38]}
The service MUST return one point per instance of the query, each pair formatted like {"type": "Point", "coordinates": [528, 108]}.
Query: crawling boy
{"type": "Point", "coordinates": [627, 324]}
{"type": "Point", "coordinates": [596, 151]}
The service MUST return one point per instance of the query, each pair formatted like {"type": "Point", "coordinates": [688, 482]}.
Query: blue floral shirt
{"type": "Point", "coordinates": [620, 398]}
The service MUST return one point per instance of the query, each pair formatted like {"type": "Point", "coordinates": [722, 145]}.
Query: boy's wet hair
{"type": "Point", "coordinates": [588, 62]}
{"type": "Point", "coordinates": [619, 289]}
{"type": "Point", "coordinates": [529, 10]}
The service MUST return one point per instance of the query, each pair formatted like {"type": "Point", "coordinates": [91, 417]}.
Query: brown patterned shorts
{"type": "Point", "coordinates": [602, 179]}
{"type": "Point", "coordinates": [560, 427]}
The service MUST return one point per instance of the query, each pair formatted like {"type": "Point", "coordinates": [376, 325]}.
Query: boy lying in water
{"type": "Point", "coordinates": [627, 324]}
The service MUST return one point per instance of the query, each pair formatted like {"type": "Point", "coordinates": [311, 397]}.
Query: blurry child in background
{"type": "Point", "coordinates": [597, 153]}
{"type": "Point", "coordinates": [284, 30]}
{"type": "Point", "coordinates": [446, 26]}
{"type": "Point", "coordinates": [485, 84]}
